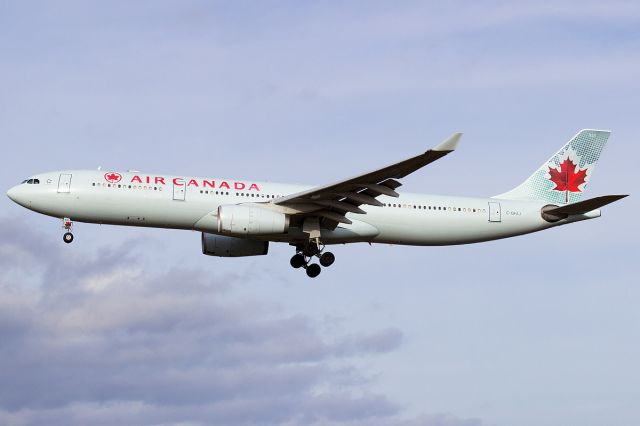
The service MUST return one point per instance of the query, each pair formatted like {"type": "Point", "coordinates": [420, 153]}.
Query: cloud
{"type": "Point", "coordinates": [102, 339]}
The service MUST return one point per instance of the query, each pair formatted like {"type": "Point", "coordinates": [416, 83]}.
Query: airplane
{"type": "Point", "coordinates": [241, 217]}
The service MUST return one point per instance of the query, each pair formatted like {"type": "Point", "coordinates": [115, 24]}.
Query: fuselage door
{"type": "Point", "coordinates": [179, 191]}
{"type": "Point", "coordinates": [64, 183]}
{"type": "Point", "coordinates": [494, 212]}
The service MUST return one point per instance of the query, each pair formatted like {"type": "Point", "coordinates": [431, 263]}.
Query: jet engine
{"type": "Point", "coordinates": [225, 246]}
{"type": "Point", "coordinates": [251, 220]}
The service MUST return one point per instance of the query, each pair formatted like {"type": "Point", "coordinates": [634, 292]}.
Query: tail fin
{"type": "Point", "coordinates": [563, 178]}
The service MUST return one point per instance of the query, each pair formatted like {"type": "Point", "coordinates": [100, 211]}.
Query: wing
{"type": "Point", "coordinates": [332, 202]}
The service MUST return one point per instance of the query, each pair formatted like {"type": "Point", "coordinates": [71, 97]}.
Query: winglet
{"type": "Point", "coordinates": [450, 144]}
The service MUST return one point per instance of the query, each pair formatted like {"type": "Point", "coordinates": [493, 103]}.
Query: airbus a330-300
{"type": "Point", "coordinates": [241, 217]}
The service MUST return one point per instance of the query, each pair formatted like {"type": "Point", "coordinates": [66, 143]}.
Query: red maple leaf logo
{"type": "Point", "coordinates": [569, 178]}
{"type": "Point", "coordinates": [112, 177]}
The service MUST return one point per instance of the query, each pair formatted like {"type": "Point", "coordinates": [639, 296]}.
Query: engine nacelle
{"type": "Point", "coordinates": [251, 220]}
{"type": "Point", "coordinates": [224, 246]}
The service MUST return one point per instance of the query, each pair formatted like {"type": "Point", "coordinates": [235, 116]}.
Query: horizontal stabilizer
{"type": "Point", "coordinates": [553, 214]}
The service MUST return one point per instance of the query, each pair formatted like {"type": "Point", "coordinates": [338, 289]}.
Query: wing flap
{"type": "Point", "coordinates": [341, 205]}
{"type": "Point", "coordinates": [360, 198]}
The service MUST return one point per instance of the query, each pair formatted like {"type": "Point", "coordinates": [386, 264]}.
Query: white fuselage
{"type": "Point", "coordinates": [161, 201]}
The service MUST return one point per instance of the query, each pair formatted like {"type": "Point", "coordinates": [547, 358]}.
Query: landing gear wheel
{"type": "Point", "coordinates": [327, 259]}
{"type": "Point", "coordinates": [297, 261]}
{"type": "Point", "coordinates": [67, 237]}
{"type": "Point", "coordinates": [313, 270]}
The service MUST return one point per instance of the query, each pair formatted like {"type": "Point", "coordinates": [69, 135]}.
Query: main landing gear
{"type": "Point", "coordinates": [306, 253]}
{"type": "Point", "coordinates": [67, 224]}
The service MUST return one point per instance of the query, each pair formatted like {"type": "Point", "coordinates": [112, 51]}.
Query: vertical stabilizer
{"type": "Point", "coordinates": [565, 176]}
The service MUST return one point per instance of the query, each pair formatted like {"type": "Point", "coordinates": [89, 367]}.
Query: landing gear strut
{"type": "Point", "coordinates": [67, 224]}
{"type": "Point", "coordinates": [305, 254]}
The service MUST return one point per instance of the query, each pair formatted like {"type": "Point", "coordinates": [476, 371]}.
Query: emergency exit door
{"type": "Point", "coordinates": [494, 212]}
{"type": "Point", "coordinates": [64, 183]}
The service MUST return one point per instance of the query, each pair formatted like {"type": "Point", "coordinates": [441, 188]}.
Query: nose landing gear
{"type": "Point", "coordinates": [304, 255]}
{"type": "Point", "coordinates": [67, 224]}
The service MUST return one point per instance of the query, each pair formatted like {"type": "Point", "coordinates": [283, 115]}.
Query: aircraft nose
{"type": "Point", "coordinates": [11, 193]}
{"type": "Point", "coordinates": [14, 194]}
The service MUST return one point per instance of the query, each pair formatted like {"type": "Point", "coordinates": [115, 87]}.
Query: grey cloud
{"type": "Point", "coordinates": [234, 412]}
{"type": "Point", "coordinates": [102, 339]}
{"type": "Point", "coordinates": [421, 420]}
{"type": "Point", "coordinates": [378, 342]}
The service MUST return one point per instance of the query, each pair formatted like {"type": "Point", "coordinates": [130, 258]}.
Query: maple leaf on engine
{"type": "Point", "coordinates": [567, 179]}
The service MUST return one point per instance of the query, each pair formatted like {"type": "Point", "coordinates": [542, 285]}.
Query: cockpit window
{"type": "Point", "coordinates": [24, 181]}
{"type": "Point", "coordinates": [36, 181]}
{"type": "Point", "coordinates": [30, 181]}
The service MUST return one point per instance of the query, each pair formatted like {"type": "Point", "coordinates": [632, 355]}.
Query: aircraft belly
{"type": "Point", "coordinates": [357, 231]}
{"type": "Point", "coordinates": [129, 209]}
{"type": "Point", "coordinates": [434, 230]}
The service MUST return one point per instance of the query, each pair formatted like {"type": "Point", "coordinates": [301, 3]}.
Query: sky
{"type": "Point", "coordinates": [136, 326]}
